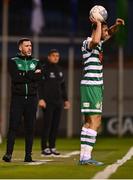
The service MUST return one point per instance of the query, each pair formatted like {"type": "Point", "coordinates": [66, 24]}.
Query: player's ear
{"type": "Point", "coordinates": [20, 48]}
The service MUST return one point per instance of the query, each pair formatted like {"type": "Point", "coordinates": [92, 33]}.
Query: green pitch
{"type": "Point", "coordinates": [107, 150]}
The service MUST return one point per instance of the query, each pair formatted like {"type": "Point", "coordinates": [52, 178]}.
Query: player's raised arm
{"type": "Point", "coordinates": [96, 33]}
{"type": "Point", "coordinates": [114, 28]}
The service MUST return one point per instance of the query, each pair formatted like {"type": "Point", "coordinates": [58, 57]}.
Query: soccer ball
{"type": "Point", "coordinates": [99, 13]}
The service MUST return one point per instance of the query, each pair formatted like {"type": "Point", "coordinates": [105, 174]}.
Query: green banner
{"type": "Point", "coordinates": [122, 12]}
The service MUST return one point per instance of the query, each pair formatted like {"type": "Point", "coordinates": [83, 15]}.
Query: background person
{"type": "Point", "coordinates": [25, 71]}
{"type": "Point", "coordinates": [53, 96]}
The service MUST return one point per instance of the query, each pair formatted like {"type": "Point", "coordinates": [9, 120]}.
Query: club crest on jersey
{"type": "Point", "coordinates": [52, 75]}
{"type": "Point", "coordinates": [32, 66]}
{"type": "Point", "coordinates": [99, 105]}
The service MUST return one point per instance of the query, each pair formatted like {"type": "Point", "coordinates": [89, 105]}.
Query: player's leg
{"type": "Point", "coordinates": [29, 119]}
{"type": "Point", "coordinates": [88, 139]}
{"type": "Point", "coordinates": [91, 107]}
{"type": "Point", "coordinates": [54, 128]}
{"type": "Point", "coordinates": [16, 111]}
{"type": "Point", "coordinates": [46, 127]}
{"type": "Point", "coordinates": [88, 135]}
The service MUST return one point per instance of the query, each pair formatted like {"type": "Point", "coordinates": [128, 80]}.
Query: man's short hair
{"type": "Point", "coordinates": [22, 40]}
{"type": "Point", "coordinates": [52, 51]}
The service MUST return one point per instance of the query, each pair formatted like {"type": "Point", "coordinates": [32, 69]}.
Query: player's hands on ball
{"type": "Point", "coordinates": [120, 21]}
{"type": "Point", "coordinates": [94, 21]}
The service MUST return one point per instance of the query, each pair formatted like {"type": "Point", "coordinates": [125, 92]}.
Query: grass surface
{"type": "Point", "coordinates": [107, 150]}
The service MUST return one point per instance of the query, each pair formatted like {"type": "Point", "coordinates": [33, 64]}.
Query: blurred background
{"type": "Point", "coordinates": [64, 24]}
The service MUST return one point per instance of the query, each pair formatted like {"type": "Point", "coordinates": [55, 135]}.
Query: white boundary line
{"type": "Point", "coordinates": [38, 162]}
{"type": "Point", "coordinates": [109, 170]}
{"type": "Point", "coordinates": [67, 155]}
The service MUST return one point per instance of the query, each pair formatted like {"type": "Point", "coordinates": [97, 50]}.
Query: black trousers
{"type": "Point", "coordinates": [51, 120]}
{"type": "Point", "coordinates": [22, 107]}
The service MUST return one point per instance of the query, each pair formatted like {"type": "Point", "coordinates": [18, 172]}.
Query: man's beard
{"type": "Point", "coordinates": [29, 54]}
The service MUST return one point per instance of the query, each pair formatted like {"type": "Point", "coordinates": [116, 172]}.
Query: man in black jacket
{"type": "Point", "coordinates": [52, 95]}
{"type": "Point", "coordinates": [25, 72]}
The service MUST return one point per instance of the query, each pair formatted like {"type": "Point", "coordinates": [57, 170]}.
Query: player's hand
{"type": "Point", "coordinates": [67, 105]}
{"type": "Point", "coordinates": [38, 71]}
{"type": "Point", "coordinates": [42, 103]}
{"type": "Point", "coordinates": [94, 21]}
{"type": "Point", "coordinates": [120, 21]}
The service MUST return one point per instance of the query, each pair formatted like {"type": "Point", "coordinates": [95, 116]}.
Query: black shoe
{"type": "Point", "coordinates": [54, 152]}
{"type": "Point", "coordinates": [7, 158]}
{"type": "Point", "coordinates": [28, 158]}
{"type": "Point", "coordinates": [46, 152]}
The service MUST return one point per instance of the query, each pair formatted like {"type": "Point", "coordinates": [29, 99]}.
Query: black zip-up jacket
{"type": "Point", "coordinates": [52, 86]}
{"type": "Point", "coordinates": [23, 77]}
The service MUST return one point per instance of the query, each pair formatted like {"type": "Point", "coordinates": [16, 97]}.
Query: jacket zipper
{"type": "Point", "coordinates": [26, 86]}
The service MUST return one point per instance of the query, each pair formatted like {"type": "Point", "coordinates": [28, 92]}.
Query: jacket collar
{"type": "Point", "coordinates": [24, 57]}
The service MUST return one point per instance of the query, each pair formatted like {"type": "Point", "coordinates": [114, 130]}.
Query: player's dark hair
{"type": "Point", "coordinates": [22, 40]}
{"type": "Point", "coordinates": [52, 51]}
{"type": "Point", "coordinates": [94, 26]}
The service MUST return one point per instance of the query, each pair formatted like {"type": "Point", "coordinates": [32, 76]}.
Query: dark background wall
{"type": "Point", "coordinates": [64, 19]}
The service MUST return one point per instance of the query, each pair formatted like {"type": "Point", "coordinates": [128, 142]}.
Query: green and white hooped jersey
{"type": "Point", "coordinates": [92, 61]}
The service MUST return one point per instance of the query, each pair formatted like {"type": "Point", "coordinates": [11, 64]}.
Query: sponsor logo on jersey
{"type": "Point", "coordinates": [19, 65]}
{"type": "Point", "coordinates": [86, 104]}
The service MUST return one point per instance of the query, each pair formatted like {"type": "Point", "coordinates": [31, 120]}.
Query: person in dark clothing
{"type": "Point", "coordinates": [52, 95]}
{"type": "Point", "coordinates": [25, 72]}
